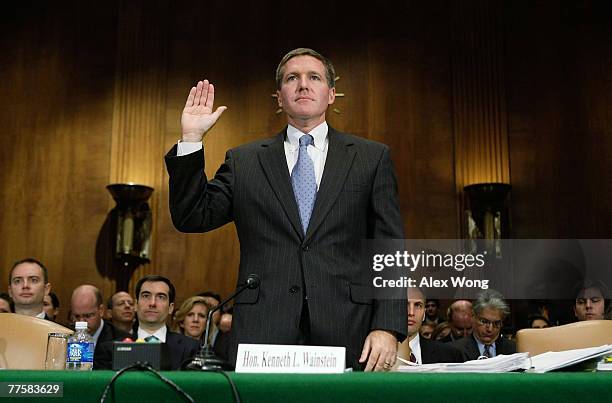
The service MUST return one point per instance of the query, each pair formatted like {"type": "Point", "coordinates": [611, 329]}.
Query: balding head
{"type": "Point", "coordinates": [86, 306]}
{"type": "Point", "coordinates": [460, 318]}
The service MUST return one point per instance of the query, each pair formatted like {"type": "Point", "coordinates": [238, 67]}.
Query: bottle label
{"type": "Point", "coordinates": [80, 352]}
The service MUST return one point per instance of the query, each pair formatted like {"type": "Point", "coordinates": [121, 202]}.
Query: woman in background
{"type": "Point", "coordinates": [190, 319]}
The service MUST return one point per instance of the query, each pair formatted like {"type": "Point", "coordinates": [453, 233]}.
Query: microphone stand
{"type": "Point", "coordinates": [206, 359]}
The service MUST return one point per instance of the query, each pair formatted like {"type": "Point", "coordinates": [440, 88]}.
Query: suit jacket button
{"type": "Point", "coordinates": [294, 289]}
{"type": "Point", "coordinates": [305, 248]}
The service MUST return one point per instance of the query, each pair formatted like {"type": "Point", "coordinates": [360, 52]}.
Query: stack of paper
{"type": "Point", "coordinates": [552, 360]}
{"type": "Point", "coordinates": [500, 363]}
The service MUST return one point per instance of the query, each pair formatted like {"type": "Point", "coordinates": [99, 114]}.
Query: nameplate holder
{"type": "Point", "coordinates": [290, 359]}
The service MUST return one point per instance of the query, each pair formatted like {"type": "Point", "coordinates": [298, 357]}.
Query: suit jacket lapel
{"type": "Point", "coordinates": [274, 163]}
{"type": "Point", "coordinates": [340, 156]}
{"type": "Point", "coordinates": [472, 347]}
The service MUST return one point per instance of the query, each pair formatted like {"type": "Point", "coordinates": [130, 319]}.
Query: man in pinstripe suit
{"type": "Point", "coordinates": [313, 288]}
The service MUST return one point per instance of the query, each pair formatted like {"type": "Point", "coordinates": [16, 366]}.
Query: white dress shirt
{"type": "Point", "coordinates": [159, 333]}
{"type": "Point", "coordinates": [415, 348]}
{"type": "Point", "coordinates": [317, 151]}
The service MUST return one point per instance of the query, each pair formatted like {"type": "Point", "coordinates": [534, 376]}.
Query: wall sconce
{"type": "Point", "coordinates": [487, 214]}
{"type": "Point", "coordinates": [132, 222]}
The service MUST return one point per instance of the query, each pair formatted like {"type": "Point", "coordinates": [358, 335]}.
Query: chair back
{"type": "Point", "coordinates": [589, 333]}
{"type": "Point", "coordinates": [23, 340]}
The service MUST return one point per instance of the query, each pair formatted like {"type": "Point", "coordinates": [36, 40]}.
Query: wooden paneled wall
{"type": "Point", "coordinates": [92, 94]}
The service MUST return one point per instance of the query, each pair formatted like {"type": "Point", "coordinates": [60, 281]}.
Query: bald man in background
{"type": "Point", "coordinates": [460, 319]}
{"type": "Point", "coordinates": [86, 305]}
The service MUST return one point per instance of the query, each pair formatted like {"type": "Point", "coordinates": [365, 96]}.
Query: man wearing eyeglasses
{"type": "Point", "coordinates": [489, 312]}
{"type": "Point", "coordinates": [86, 305]}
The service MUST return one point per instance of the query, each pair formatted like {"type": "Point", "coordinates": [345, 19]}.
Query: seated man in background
{"type": "Point", "coordinates": [489, 312]}
{"type": "Point", "coordinates": [6, 303]}
{"type": "Point", "coordinates": [86, 305]}
{"type": "Point", "coordinates": [28, 285]}
{"type": "Point", "coordinates": [460, 320]}
{"type": "Point", "coordinates": [416, 348]}
{"type": "Point", "coordinates": [154, 303]}
{"type": "Point", "coordinates": [51, 306]}
{"type": "Point", "coordinates": [122, 312]}
{"type": "Point", "coordinates": [431, 312]}
{"type": "Point", "coordinates": [590, 303]}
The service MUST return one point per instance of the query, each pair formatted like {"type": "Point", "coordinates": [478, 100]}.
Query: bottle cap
{"type": "Point", "coordinates": [80, 325]}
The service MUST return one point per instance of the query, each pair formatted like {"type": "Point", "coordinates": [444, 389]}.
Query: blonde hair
{"type": "Point", "coordinates": [182, 312]}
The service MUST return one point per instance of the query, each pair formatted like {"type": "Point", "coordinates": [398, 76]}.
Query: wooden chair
{"type": "Point", "coordinates": [589, 333]}
{"type": "Point", "coordinates": [23, 340]}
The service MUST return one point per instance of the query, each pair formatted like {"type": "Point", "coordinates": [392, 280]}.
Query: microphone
{"type": "Point", "coordinates": [206, 359]}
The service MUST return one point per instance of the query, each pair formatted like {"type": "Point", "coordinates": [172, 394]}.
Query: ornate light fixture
{"type": "Point", "coordinates": [131, 222]}
{"type": "Point", "coordinates": [486, 215]}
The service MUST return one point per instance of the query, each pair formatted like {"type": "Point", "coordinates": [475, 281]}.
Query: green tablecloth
{"type": "Point", "coordinates": [144, 387]}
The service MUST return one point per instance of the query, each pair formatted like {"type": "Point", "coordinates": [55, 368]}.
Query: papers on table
{"type": "Point", "coordinates": [540, 363]}
{"type": "Point", "coordinates": [552, 360]}
{"type": "Point", "coordinates": [500, 363]}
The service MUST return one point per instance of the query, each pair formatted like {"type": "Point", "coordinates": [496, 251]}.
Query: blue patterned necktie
{"type": "Point", "coordinates": [304, 182]}
{"type": "Point", "coordinates": [487, 351]}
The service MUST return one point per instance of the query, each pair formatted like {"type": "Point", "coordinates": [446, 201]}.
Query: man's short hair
{"type": "Point", "coordinates": [435, 301]}
{"type": "Point", "coordinates": [330, 72]}
{"type": "Point", "coordinates": [591, 283]}
{"type": "Point", "coordinates": [30, 260]}
{"type": "Point", "coordinates": [153, 278]}
{"type": "Point", "coordinates": [490, 299]}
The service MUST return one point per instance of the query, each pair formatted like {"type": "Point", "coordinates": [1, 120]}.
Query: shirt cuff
{"type": "Point", "coordinates": [187, 147]}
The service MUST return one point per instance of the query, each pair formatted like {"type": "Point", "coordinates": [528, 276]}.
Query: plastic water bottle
{"type": "Point", "coordinates": [80, 351]}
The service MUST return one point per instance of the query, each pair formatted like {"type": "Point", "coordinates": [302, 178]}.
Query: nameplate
{"type": "Point", "coordinates": [289, 359]}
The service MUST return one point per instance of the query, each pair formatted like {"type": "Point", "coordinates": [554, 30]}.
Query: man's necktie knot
{"type": "Point", "coordinates": [306, 140]}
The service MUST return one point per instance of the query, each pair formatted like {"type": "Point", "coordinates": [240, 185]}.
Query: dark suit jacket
{"type": "Point", "coordinates": [469, 348]}
{"type": "Point", "coordinates": [180, 347]}
{"type": "Point", "coordinates": [433, 352]}
{"type": "Point", "coordinates": [357, 200]}
{"type": "Point", "coordinates": [103, 354]}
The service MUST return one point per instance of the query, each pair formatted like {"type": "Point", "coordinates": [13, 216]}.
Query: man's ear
{"type": "Point", "coordinates": [171, 308]}
{"type": "Point", "coordinates": [332, 96]}
{"type": "Point", "coordinates": [47, 288]}
{"type": "Point", "coordinates": [278, 99]}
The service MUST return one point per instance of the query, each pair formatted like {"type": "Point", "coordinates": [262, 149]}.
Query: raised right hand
{"type": "Point", "coordinates": [198, 116]}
